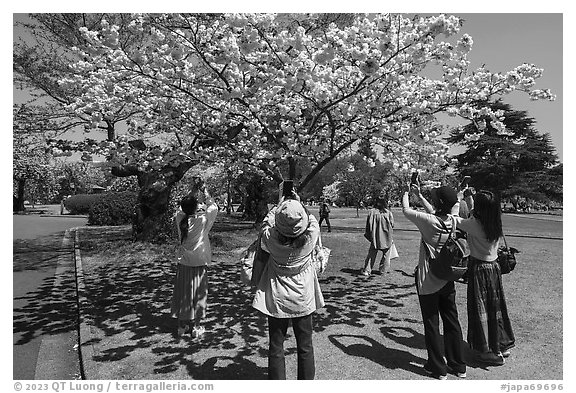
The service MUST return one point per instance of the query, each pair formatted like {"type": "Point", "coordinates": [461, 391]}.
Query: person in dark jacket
{"type": "Point", "coordinates": [324, 214]}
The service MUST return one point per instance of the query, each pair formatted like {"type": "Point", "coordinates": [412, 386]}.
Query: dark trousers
{"type": "Point", "coordinates": [322, 218]}
{"type": "Point", "coordinates": [278, 327]}
{"type": "Point", "coordinates": [443, 304]}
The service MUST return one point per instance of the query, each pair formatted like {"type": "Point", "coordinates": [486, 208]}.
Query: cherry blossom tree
{"type": "Point", "coordinates": [274, 87]}
{"type": "Point", "coordinates": [294, 89]}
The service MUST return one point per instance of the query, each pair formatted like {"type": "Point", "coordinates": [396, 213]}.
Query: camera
{"type": "Point", "coordinates": [288, 190]}
{"type": "Point", "coordinates": [415, 178]}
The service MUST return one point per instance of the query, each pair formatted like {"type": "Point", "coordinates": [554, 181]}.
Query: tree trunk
{"type": "Point", "coordinates": [18, 200]}
{"type": "Point", "coordinates": [228, 194]}
{"type": "Point", "coordinates": [152, 219]}
{"type": "Point", "coordinates": [151, 214]}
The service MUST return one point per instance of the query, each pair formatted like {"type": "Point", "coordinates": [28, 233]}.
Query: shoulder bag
{"type": "Point", "coordinates": [507, 257]}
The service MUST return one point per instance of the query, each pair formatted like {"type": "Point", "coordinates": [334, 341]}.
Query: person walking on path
{"type": "Point", "coordinates": [324, 213]}
{"type": "Point", "coordinates": [489, 329]}
{"type": "Point", "coordinates": [288, 290]}
{"type": "Point", "coordinates": [190, 296]}
{"type": "Point", "coordinates": [379, 227]}
{"type": "Point", "coordinates": [437, 297]}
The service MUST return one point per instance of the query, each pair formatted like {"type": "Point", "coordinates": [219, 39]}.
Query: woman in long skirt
{"type": "Point", "coordinates": [489, 329]}
{"type": "Point", "coordinates": [190, 295]}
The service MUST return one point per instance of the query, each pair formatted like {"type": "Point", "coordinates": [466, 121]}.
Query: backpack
{"type": "Point", "coordinates": [451, 263]}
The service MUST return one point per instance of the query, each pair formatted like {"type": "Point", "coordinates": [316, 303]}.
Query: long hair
{"type": "Point", "coordinates": [487, 211]}
{"type": "Point", "coordinates": [189, 204]}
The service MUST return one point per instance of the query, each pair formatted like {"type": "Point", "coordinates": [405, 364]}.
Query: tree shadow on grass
{"type": "Point", "coordinates": [128, 302]}
{"type": "Point", "coordinates": [359, 301]}
{"type": "Point", "coordinates": [129, 298]}
{"type": "Point", "coordinates": [227, 366]}
{"type": "Point", "coordinates": [366, 347]}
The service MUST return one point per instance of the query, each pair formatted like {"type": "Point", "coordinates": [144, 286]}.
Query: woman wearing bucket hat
{"type": "Point", "coordinates": [437, 297]}
{"type": "Point", "coordinates": [288, 289]}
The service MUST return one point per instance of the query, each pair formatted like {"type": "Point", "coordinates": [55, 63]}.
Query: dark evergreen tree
{"type": "Point", "coordinates": [518, 164]}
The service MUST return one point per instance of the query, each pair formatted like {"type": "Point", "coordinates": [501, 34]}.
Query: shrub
{"type": "Point", "coordinates": [115, 208]}
{"type": "Point", "coordinates": [81, 203]}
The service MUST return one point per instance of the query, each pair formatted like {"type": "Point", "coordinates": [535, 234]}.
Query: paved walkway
{"type": "Point", "coordinates": [45, 310]}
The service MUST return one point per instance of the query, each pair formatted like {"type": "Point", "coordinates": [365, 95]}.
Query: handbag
{"type": "Point", "coordinates": [253, 262]}
{"type": "Point", "coordinates": [320, 256]}
{"type": "Point", "coordinates": [507, 257]}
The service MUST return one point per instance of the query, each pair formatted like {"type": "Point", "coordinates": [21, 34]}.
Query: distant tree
{"type": "Point", "coordinates": [78, 177]}
{"type": "Point", "coordinates": [30, 162]}
{"type": "Point", "coordinates": [512, 161]}
{"type": "Point", "coordinates": [364, 181]}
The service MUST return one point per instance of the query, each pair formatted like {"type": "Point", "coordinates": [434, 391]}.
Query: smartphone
{"type": "Point", "coordinates": [287, 188]}
{"type": "Point", "coordinates": [415, 178]}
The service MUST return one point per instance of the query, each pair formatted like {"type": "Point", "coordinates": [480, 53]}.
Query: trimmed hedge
{"type": "Point", "coordinates": [81, 203]}
{"type": "Point", "coordinates": [114, 208]}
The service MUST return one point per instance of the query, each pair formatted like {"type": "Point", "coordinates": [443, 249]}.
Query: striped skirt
{"type": "Point", "coordinates": [489, 328]}
{"type": "Point", "coordinates": [190, 296]}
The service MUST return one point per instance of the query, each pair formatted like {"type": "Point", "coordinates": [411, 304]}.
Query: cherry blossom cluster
{"type": "Point", "coordinates": [300, 85]}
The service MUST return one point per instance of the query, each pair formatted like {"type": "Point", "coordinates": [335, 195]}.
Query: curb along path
{"type": "Point", "coordinates": [58, 353]}
{"type": "Point", "coordinates": [87, 347]}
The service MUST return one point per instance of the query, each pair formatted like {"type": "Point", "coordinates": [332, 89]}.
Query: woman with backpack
{"type": "Point", "coordinates": [437, 297]}
{"type": "Point", "coordinates": [379, 228]}
{"type": "Point", "coordinates": [489, 330]}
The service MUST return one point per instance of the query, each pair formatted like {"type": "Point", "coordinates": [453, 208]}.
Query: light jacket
{"type": "Point", "coordinates": [289, 286]}
{"type": "Point", "coordinates": [379, 227]}
{"type": "Point", "coordinates": [196, 250]}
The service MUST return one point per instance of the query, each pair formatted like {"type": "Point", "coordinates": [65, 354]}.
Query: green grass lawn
{"type": "Point", "coordinates": [370, 328]}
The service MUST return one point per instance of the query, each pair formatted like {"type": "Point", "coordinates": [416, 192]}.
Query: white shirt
{"type": "Point", "coordinates": [196, 250]}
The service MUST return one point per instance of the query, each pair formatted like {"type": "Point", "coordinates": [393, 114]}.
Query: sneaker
{"type": "Point", "coordinates": [434, 375]}
{"type": "Point", "coordinates": [491, 358]}
{"type": "Point", "coordinates": [506, 353]}
{"type": "Point", "coordinates": [198, 331]}
{"type": "Point", "coordinates": [364, 273]}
